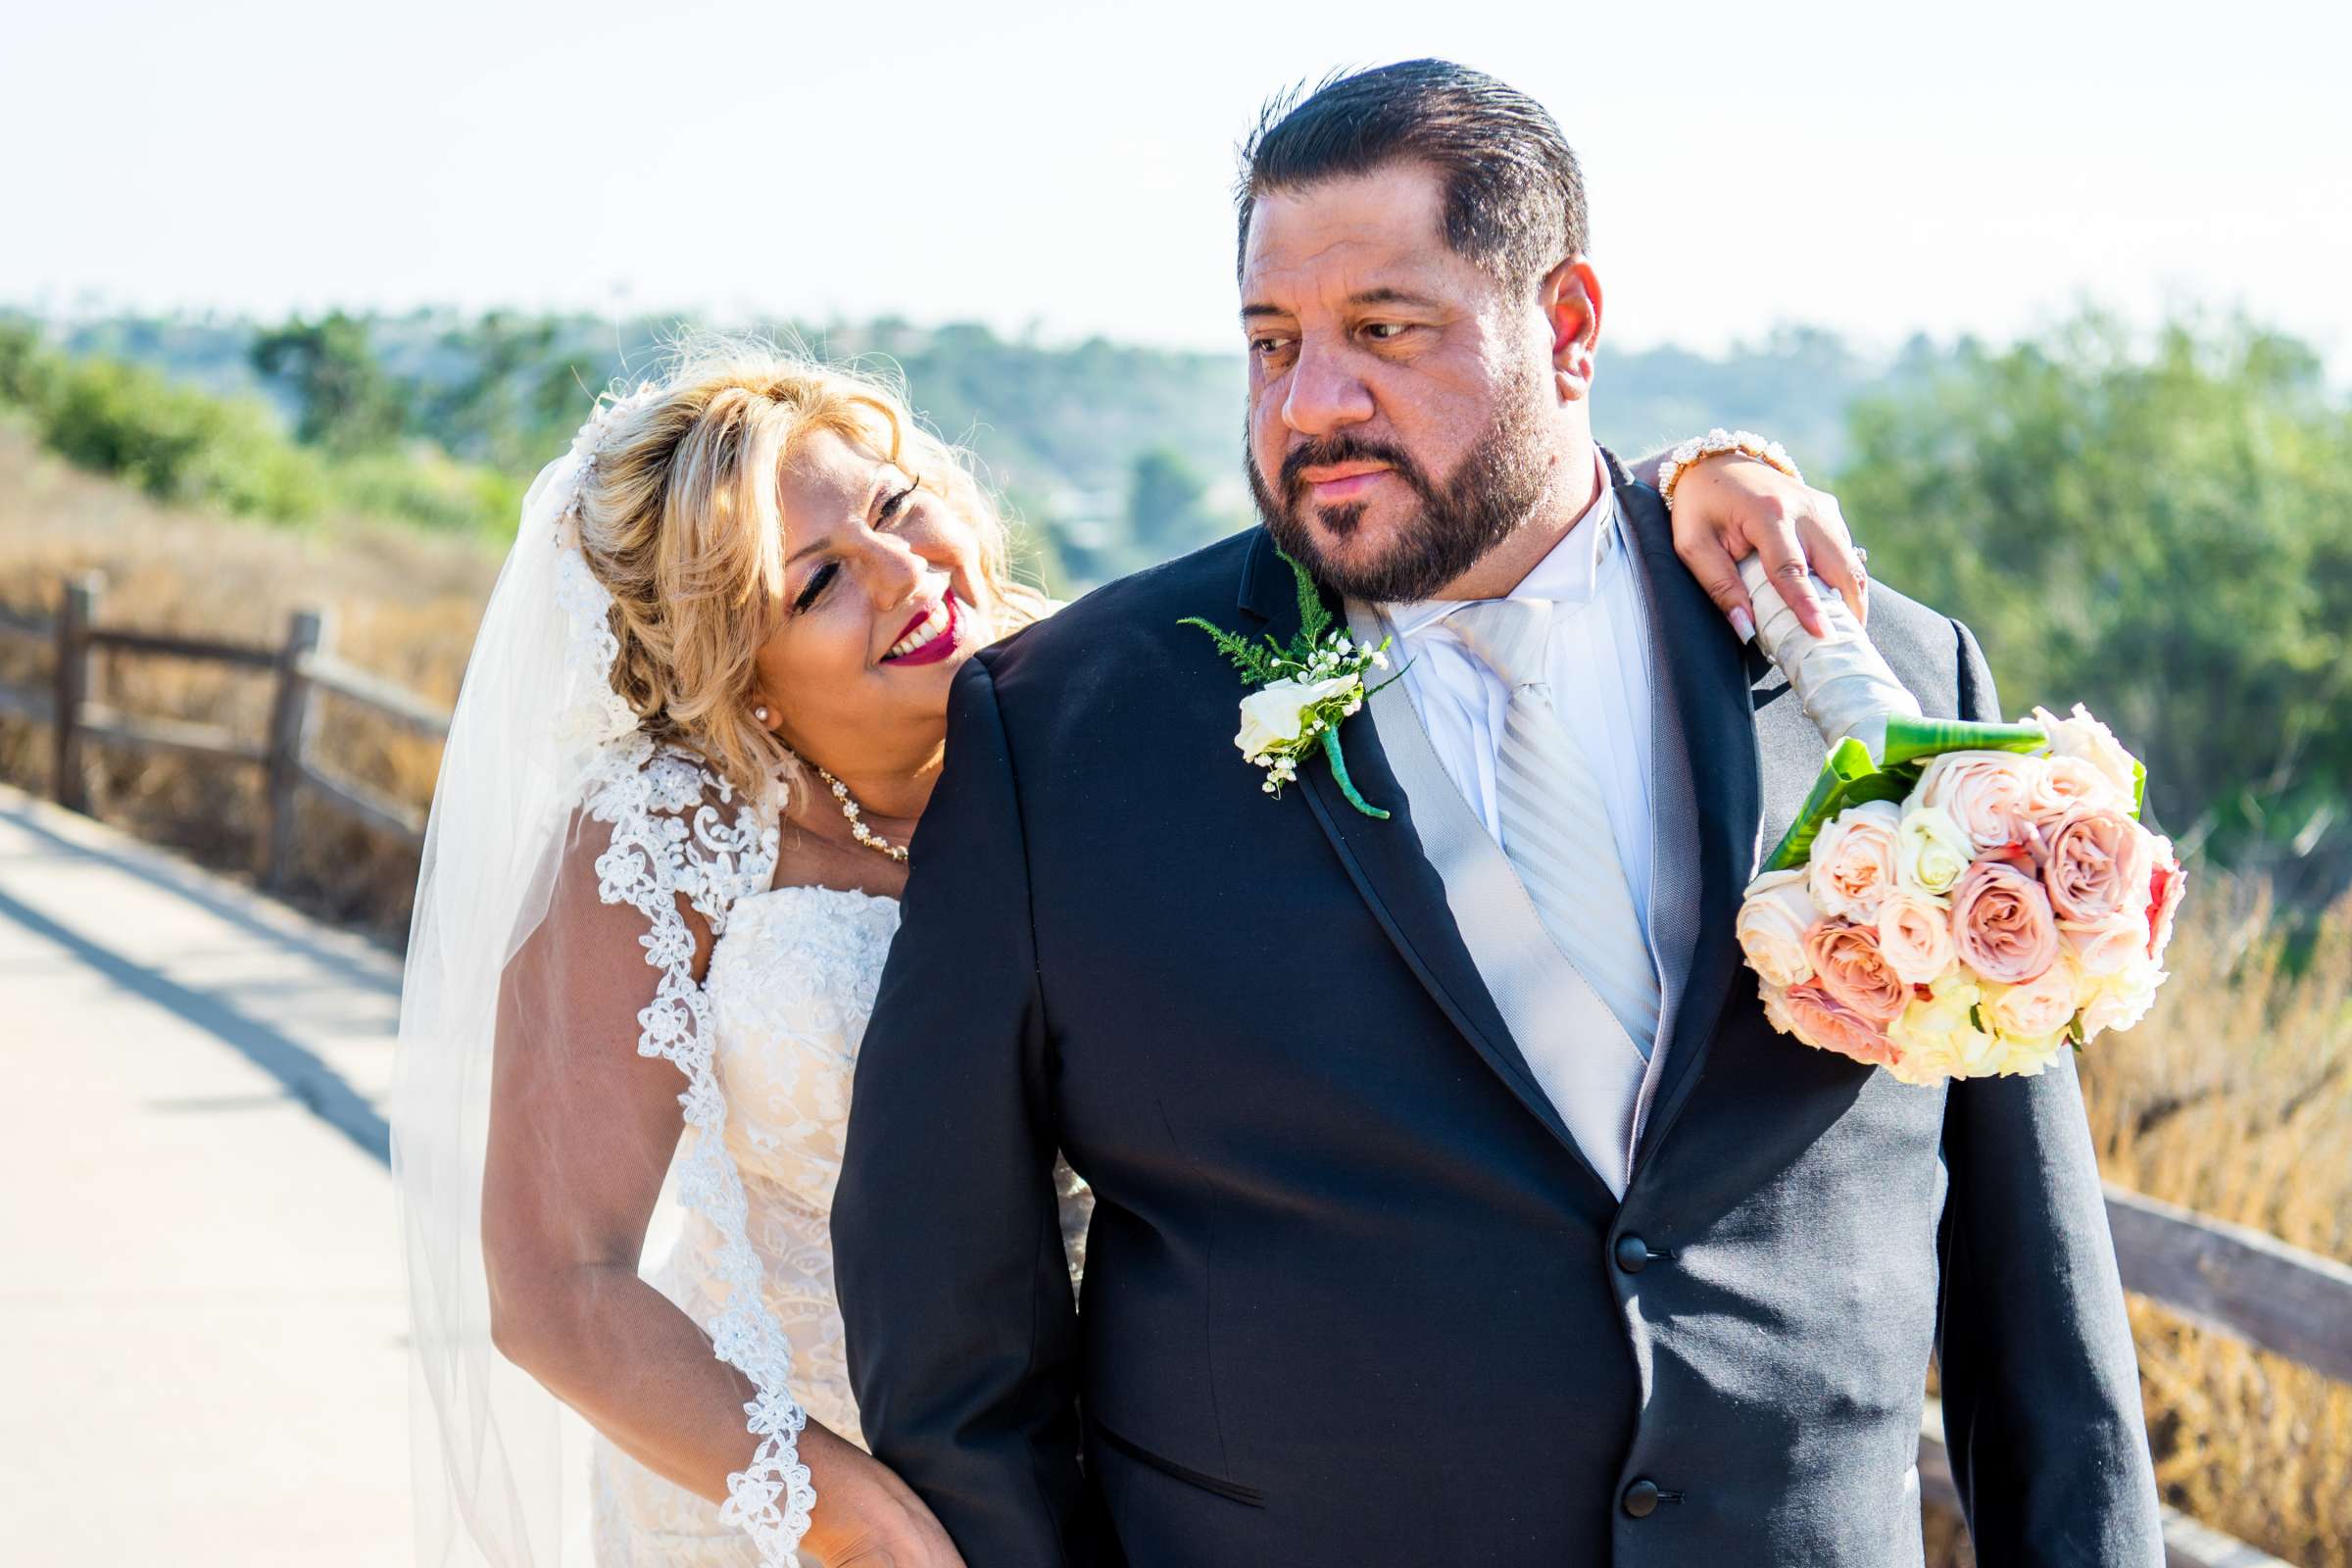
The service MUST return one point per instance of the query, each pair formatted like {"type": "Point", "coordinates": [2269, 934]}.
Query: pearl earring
{"type": "Point", "coordinates": [760, 714]}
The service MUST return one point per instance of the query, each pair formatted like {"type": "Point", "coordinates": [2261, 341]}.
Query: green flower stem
{"type": "Point", "coordinates": [1339, 770]}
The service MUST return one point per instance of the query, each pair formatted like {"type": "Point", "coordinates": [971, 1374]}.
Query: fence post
{"type": "Point", "coordinates": [289, 730]}
{"type": "Point", "coordinates": [76, 678]}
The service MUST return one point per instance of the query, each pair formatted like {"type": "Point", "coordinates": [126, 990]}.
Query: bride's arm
{"type": "Point", "coordinates": [1729, 507]}
{"type": "Point", "coordinates": [582, 1129]}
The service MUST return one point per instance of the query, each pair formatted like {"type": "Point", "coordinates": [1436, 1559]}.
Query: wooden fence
{"type": "Point", "coordinates": [298, 668]}
{"type": "Point", "coordinates": [2226, 1278]}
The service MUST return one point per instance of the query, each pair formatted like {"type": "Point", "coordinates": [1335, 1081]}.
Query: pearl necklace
{"type": "Point", "coordinates": [858, 828]}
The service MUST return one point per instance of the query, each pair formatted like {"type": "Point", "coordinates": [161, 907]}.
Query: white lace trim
{"type": "Point", "coordinates": [669, 841]}
{"type": "Point", "coordinates": [599, 716]}
{"type": "Point", "coordinates": [596, 715]}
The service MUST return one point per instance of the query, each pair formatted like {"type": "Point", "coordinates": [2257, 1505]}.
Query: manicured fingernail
{"type": "Point", "coordinates": [1743, 623]}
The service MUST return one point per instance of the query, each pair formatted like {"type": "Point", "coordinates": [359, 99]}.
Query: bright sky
{"type": "Point", "coordinates": [1877, 168]}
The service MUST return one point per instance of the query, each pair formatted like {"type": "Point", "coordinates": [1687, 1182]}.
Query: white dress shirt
{"type": "Point", "coordinates": [1600, 680]}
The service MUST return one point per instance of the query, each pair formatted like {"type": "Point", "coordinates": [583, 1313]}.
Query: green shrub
{"type": "Point", "coordinates": [187, 448]}
{"type": "Point", "coordinates": [2157, 529]}
{"type": "Point", "coordinates": [23, 360]}
{"type": "Point", "coordinates": [423, 485]}
{"type": "Point", "coordinates": [174, 443]}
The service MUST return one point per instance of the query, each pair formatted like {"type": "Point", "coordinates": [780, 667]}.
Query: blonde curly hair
{"type": "Point", "coordinates": [681, 523]}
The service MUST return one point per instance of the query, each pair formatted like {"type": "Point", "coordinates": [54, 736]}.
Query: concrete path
{"type": "Point", "coordinates": [201, 1307]}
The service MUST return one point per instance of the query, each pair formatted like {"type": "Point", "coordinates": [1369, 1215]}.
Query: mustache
{"type": "Point", "coordinates": [1332, 450]}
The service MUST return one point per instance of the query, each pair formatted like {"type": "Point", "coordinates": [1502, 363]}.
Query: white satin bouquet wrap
{"type": "Point", "coordinates": [1955, 900]}
{"type": "Point", "coordinates": [1845, 686]}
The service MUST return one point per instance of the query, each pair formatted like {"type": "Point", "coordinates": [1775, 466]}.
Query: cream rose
{"type": "Point", "coordinates": [2095, 743]}
{"type": "Point", "coordinates": [1772, 927]}
{"type": "Point", "coordinates": [1930, 851]}
{"type": "Point", "coordinates": [1937, 1035]}
{"type": "Point", "coordinates": [2028, 1059]}
{"type": "Point", "coordinates": [1847, 965]}
{"type": "Point", "coordinates": [1987, 793]}
{"type": "Point", "coordinates": [1852, 864]}
{"type": "Point", "coordinates": [1273, 715]}
{"type": "Point", "coordinates": [2099, 864]}
{"type": "Point", "coordinates": [2003, 925]}
{"type": "Point", "coordinates": [1914, 936]}
{"type": "Point", "coordinates": [2122, 999]}
{"type": "Point", "coordinates": [2038, 1009]}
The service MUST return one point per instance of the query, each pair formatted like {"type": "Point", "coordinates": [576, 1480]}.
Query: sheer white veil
{"type": "Point", "coordinates": [536, 709]}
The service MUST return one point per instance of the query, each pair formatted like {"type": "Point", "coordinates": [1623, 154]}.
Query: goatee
{"type": "Point", "coordinates": [1491, 492]}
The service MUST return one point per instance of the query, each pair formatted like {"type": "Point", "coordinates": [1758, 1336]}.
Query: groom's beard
{"type": "Point", "coordinates": [1489, 493]}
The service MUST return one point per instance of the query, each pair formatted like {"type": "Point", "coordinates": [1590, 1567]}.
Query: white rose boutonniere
{"type": "Point", "coordinates": [1303, 692]}
{"type": "Point", "coordinates": [1274, 716]}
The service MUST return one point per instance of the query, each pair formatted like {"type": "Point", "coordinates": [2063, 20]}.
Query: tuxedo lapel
{"type": "Point", "coordinates": [1705, 804]}
{"type": "Point", "coordinates": [1386, 863]}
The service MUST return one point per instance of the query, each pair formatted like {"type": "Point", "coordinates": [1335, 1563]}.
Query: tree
{"type": "Point", "coordinates": [1167, 508]}
{"type": "Point", "coordinates": [2164, 535]}
{"type": "Point", "coordinates": [519, 402]}
{"type": "Point", "coordinates": [24, 364]}
{"type": "Point", "coordinates": [346, 402]}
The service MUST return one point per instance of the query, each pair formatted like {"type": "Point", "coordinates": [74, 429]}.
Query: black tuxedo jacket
{"type": "Point", "coordinates": [1352, 1295]}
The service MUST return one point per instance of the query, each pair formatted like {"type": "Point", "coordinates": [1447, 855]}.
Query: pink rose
{"type": "Point", "coordinates": [2036, 1010]}
{"type": "Point", "coordinates": [1821, 1021]}
{"type": "Point", "coordinates": [2166, 885]}
{"type": "Point", "coordinates": [2107, 947]}
{"type": "Point", "coordinates": [2100, 863]}
{"type": "Point", "coordinates": [2066, 785]}
{"type": "Point", "coordinates": [2001, 924]}
{"type": "Point", "coordinates": [1989, 794]}
{"type": "Point", "coordinates": [1914, 936]}
{"type": "Point", "coordinates": [1772, 927]}
{"type": "Point", "coordinates": [1849, 965]}
{"type": "Point", "coordinates": [1853, 861]}
{"type": "Point", "coordinates": [2081, 736]}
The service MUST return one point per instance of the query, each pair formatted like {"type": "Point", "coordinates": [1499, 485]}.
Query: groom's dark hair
{"type": "Point", "coordinates": [1514, 195]}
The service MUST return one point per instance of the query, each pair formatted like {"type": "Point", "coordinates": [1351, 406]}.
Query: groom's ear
{"type": "Point", "coordinates": [1570, 299]}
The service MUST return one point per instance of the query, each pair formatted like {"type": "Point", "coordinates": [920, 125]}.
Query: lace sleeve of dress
{"type": "Point", "coordinates": [680, 833]}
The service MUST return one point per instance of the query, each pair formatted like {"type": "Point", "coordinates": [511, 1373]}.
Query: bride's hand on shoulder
{"type": "Point", "coordinates": [865, 1516]}
{"type": "Point", "coordinates": [1730, 505]}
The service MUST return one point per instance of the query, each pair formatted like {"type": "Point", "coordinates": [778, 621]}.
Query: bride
{"type": "Point", "coordinates": [702, 719]}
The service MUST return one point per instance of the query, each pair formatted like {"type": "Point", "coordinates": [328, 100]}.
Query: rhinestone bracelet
{"type": "Point", "coordinates": [1713, 444]}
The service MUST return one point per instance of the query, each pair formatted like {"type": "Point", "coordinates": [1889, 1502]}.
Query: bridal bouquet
{"type": "Point", "coordinates": [1967, 902]}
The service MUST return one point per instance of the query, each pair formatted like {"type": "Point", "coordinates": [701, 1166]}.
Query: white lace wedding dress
{"type": "Point", "coordinates": [785, 1000]}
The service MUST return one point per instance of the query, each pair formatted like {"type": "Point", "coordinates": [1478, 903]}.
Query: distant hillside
{"type": "Point", "coordinates": [1115, 454]}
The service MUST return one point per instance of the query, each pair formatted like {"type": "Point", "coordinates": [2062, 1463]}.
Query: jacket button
{"type": "Point", "coordinates": [1642, 1499]}
{"type": "Point", "coordinates": [1632, 1254]}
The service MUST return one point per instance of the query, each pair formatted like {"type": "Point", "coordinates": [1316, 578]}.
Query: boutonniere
{"type": "Point", "coordinates": [1303, 691]}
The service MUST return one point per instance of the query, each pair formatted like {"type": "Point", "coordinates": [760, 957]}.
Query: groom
{"type": "Point", "coordinates": [1455, 1203]}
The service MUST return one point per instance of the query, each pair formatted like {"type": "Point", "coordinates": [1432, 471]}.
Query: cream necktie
{"type": "Point", "coordinates": [1556, 824]}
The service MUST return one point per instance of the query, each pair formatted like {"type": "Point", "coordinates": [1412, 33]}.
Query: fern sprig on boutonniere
{"type": "Point", "coordinates": [1304, 691]}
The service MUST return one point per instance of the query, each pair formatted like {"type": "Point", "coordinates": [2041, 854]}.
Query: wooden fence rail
{"type": "Point", "coordinates": [2234, 1281]}
{"type": "Point", "coordinates": [298, 668]}
{"type": "Point", "coordinates": [2226, 1278]}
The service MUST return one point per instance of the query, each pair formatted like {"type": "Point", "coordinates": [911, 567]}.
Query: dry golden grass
{"type": "Point", "coordinates": [402, 603]}
{"type": "Point", "coordinates": [2234, 1098]}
